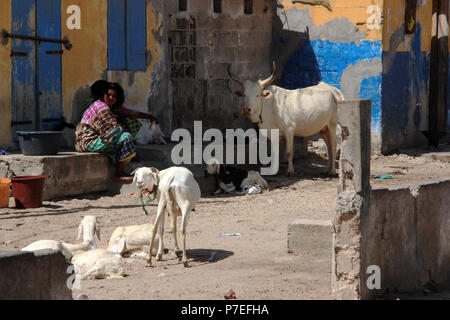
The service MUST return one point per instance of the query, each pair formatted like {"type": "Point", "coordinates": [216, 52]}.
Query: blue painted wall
{"type": "Point", "coordinates": [324, 60]}
{"type": "Point", "coordinates": [448, 100]}
{"type": "Point", "coordinates": [405, 95]}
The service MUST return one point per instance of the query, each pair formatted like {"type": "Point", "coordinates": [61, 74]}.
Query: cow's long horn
{"type": "Point", "coordinates": [233, 77]}
{"type": "Point", "coordinates": [270, 79]}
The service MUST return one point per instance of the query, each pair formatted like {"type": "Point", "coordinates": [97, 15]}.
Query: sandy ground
{"type": "Point", "coordinates": [255, 264]}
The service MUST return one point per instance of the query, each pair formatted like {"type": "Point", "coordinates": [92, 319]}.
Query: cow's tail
{"type": "Point", "coordinates": [338, 95]}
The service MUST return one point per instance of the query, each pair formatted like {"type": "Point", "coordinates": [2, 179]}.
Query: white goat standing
{"type": "Point", "coordinates": [176, 189]}
{"type": "Point", "coordinates": [98, 264]}
{"type": "Point", "coordinates": [88, 227]}
{"type": "Point", "coordinates": [132, 240]}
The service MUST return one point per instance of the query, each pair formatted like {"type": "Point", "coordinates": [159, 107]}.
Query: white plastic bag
{"type": "Point", "coordinates": [150, 132]}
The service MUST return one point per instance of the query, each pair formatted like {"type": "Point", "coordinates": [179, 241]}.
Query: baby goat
{"type": "Point", "coordinates": [132, 240]}
{"type": "Point", "coordinates": [88, 227]}
{"type": "Point", "coordinates": [177, 190]}
{"type": "Point", "coordinates": [98, 264]}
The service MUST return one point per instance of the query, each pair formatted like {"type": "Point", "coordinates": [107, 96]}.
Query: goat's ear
{"type": "Point", "coordinates": [238, 93]}
{"type": "Point", "coordinates": [80, 231]}
{"type": "Point", "coordinates": [97, 231]}
{"type": "Point", "coordinates": [121, 246]}
{"type": "Point", "coordinates": [154, 170]}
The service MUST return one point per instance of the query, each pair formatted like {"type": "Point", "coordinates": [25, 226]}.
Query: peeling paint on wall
{"type": "Point", "coordinates": [324, 3]}
{"type": "Point", "coordinates": [336, 30]}
{"type": "Point", "coordinates": [363, 81]}
{"type": "Point", "coordinates": [353, 76]}
{"type": "Point", "coordinates": [406, 73]}
{"type": "Point", "coordinates": [342, 47]}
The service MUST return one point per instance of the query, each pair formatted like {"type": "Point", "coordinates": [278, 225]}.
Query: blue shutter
{"type": "Point", "coordinates": [116, 35]}
{"type": "Point", "coordinates": [24, 98]}
{"type": "Point", "coordinates": [136, 35]}
{"type": "Point", "coordinates": [48, 13]}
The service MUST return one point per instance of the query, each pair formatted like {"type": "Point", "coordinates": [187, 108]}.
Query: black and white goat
{"type": "Point", "coordinates": [231, 179]}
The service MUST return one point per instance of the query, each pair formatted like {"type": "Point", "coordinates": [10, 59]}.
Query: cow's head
{"type": "Point", "coordinates": [253, 92]}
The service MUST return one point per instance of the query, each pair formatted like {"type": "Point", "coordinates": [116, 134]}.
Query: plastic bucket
{"type": "Point", "coordinates": [39, 143]}
{"type": "Point", "coordinates": [28, 191]}
{"type": "Point", "coordinates": [4, 192]}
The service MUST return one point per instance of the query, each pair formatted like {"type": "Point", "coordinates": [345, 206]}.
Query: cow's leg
{"type": "Point", "coordinates": [332, 137]}
{"type": "Point", "coordinates": [290, 151]}
{"type": "Point", "coordinates": [161, 210]}
{"type": "Point", "coordinates": [326, 138]}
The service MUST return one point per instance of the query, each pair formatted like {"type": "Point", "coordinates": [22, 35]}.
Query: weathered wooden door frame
{"type": "Point", "coordinates": [37, 82]}
{"type": "Point", "coordinates": [437, 118]}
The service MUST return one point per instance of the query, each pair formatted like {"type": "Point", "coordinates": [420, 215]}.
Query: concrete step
{"type": "Point", "coordinates": [312, 237]}
{"type": "Point", "coordinates": [68, 173]}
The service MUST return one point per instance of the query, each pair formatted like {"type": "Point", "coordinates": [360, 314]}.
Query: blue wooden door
{"type": "Point", "coordinates": [23, 59]}
{"type": "Point", "coordinates": [36, 65]}
{"type": "Point", "coordinates": [48, 14]}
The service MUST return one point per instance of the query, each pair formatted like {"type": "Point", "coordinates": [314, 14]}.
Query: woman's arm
{"type": "Point", "coordinates": [133, 114]}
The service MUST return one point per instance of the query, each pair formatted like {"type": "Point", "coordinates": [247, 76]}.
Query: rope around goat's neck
{"type": "Point", "coordinates": [141, 196]}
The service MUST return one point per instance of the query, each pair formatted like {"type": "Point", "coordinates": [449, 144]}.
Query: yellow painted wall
{"type": "Point", "coordinates": [394, 16]}
{"type": "Point", "coordinates": [355, 11]}
{"type": "Point", "coordinates": [87, 60]}
{"type": "Point", "coordinates": [5, 77]}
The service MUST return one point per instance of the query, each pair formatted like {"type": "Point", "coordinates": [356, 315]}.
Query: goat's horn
{"type": "Point", "coordinates": [233, 77]}
{"type": "Point", "coordinates": [270, 79]}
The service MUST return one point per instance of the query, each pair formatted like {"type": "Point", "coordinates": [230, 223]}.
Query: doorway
{"type": "Point", "coordinates": [36, 65]}
{"type": "Point", "coordinates": [437, 121]}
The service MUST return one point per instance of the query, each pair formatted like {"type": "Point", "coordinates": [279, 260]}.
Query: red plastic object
{"type": "Point", "coordinates": [28, 191]}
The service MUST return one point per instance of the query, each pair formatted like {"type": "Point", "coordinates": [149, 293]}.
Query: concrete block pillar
{"type": "Point", "coordinates": [353, 198]}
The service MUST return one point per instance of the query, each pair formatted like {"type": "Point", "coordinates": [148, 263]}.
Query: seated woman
{"type": "Point", "coordinates": [98, 89]}
{"type": "Point", "coordinates": [100, 132]}
{"type": "Point", "coordinates": [126, 117]}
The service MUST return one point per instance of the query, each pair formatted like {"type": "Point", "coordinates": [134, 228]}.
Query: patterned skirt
{"type": "Point", "coordinates": [120, 149]}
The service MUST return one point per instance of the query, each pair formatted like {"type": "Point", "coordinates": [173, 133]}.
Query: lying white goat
{"type": "Point", "coordinates": [132, 240]}
{"type": "Point", "coordinates": [177, 190]}
{"type": "Point", "coordinates": [98, 264]}
{"type": "Point", "coordinates": [88, 227]}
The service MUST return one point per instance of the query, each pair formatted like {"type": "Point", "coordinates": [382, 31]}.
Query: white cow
{"type": "Point", "coordinates": [301, 112]}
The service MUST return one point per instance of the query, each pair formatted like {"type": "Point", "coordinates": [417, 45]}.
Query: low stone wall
{"type": "Point", "coordinates": [68, 173]}
{"type": "Point", "coordinates": [41, 275]}
{"type": "Point", "coordinates": [406, 233]}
